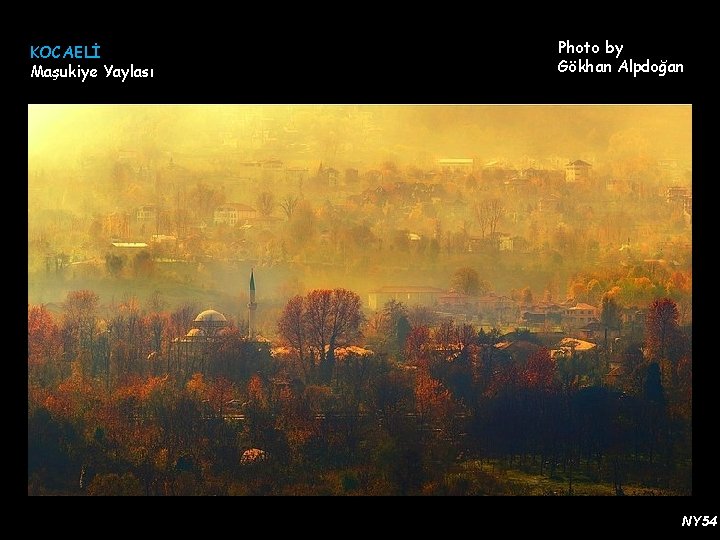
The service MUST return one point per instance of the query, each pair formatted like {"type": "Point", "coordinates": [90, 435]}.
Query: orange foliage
{"type": "Point", "coordinates": [679, 282]}
{"type": "Point", "coordinates": [432, 399]}
{"type": "Point", "coordinates": [416, 344]}
{"type": "Point", "coordinates": [539, 371]}
{"type": "Point", "coordinates": [221, 391]}
{"type": "Point", "coordinates": [59, 405]}
{"type": "Point", "coordinates": [578, 291]}
{"type": "Point", "coordinates": [614, 292]}
{"type": "Point", "coordinates": [196, 385]}
{"type": "Point", "coordinates": [43, 336]}
{"type": "Point", "coordinates": [256, 392]}
{"type": "Point", "coordinates": [141, 389]}
{"type": "Point", "coordinates": [74, 396]}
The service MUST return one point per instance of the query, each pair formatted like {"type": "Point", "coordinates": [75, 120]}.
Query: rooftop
{"type": "Point", "coordinates": [210, 316]}
{"type": "Point", "coordinates": [568, 344]}
{"type": "Point", "coordinates": [455, 161]}
{"type": "Point", "coordinates": [583, 306]}
{"type": "Point", "coordinates": [390, 289]}
{"type": "Point", "coordinates": [129, 244]}
{"type": "Point", "coordinates": [236, 206]}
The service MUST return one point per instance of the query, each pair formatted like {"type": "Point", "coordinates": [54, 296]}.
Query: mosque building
{"type": "Point", "coordinates": [191, 351]}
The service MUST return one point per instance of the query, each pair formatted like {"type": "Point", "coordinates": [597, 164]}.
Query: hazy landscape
{"type": "Point", "coordinates": [359, 300]}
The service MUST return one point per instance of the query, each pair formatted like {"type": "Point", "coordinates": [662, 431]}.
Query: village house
{"type": "Point", "coordinates": [580, 315]}
{"type": "Point", "coordinates": [577, 171]}
{"type": "Point", "coordinates": [456, 165]}
{"type": "Point", "coordinates": [676, 194]}
{"type": "Point", "coordinates": [455, 301]}
{"type": "Point", "coordinates": [232, 213]}
{"type": "Point", "coordinates": [408, 295]}
{"type": "Point", "coordinates": [146, 213]}
{"type": "Point", "coordinates": [497, 308]}
{"type": "Point", "coordinates": [568, 346]}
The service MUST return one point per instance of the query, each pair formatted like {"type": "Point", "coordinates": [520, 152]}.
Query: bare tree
{"type": "Point", "coordinates": [466, 280]}
{"type": "Point", "coordinates": [157, 320]}
{"type": "Point", "coordinates": [79, 320]}
{"type": "Point", "coordinates": [266, 203]}
{"type": "Point", "coordinates": [321, 321]}
{"type": "Point", "coordinates": [204, 199]}
{"type": "Point", "coordinates": [488, 214]}
{"type": "Point", "coordinates": [422, 316]}
{"type": "Point", "coordinates": [292, 328]}
{"type": "Point", "coordinates": [482, 216]}
{"type": "Point", "coordinates": [661, 329]}
{"type": "Point", "coordinates": [288, 205]}
{"type": "Point", "coordinates": [495, 212]}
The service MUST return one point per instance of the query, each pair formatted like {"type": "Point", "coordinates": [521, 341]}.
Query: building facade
{"type": "Point", "coordinates": [577, 171]}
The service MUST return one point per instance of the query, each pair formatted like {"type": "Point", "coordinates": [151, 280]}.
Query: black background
{"type": "Point", "coordinates": [357, 64]}
{"type": "Point", "coordinates": [441, 57]}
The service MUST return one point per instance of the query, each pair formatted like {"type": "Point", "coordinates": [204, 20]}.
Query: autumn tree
{"type": "Point", "coordinates": [417, 345]}
{"type": "Point", "coordinates": [220, 392]}
{"type": "Point", "coordinates": [495, 212]}
{"type": "Point", "coordinates": [333, 318]}
{"type": "Point", "coordinates": [577, 290]}
{"type": "Point", "coordinates": [526, 296]}
{"type": "Point", "coordinates": [143, 264]}
{"type": "Point", "coordinates": [661, 329]}
{"type": "Point", "coordinates": [422, 316]}
{"type": "Point", "coordinates": [259, 423]}
{"type": "Point", "coordinates": [204, 200]}
{"type": "Point", "coordinates": [288, 205]}
{"type": "Point", "coordinates": [319, 323]}
{"type": "Point", "coordinates": [157, 321]}
{"type": "Point", "coordinates": [653, 384]}
{"type": "Point", "coordinates": [633, 368]}
{"type": "Point", "coordinates": [44, 344]}
{"type": "Point", "coordinates": [114, 264]}
{"type": "Point", "coordinates": [467, 281]}
{"type": "Point", "coordinates": [482, 216]}
{"type": "Point", "coordinates": [302, 224]}
{"type": "Point", "coordinates": [112, 484]}
{"type": "Point", "coordinates": [127, 335]}
{"type": "Point", "coordinates": [266, 203]}
{"type": "Point", "coordinates": [395, 324]}
{"type": "Point", "coordinates": [197, 387]}
{"type": "Point", "coordinates": [292, 328]}
{"type": "Point", "coordinates": [609, 315]}
{"type": "Point", "coordinates": [181, 319]}
{"type": "Point", "coordinates": [445, 336]}
{"type": "Point", "coordinates": [79, 320]}
{"type": "Point", "coordinates": [539, 372]}
{"type": "Point", "coordinates": [432, 400]}
{"type": "Point", "coordinates": [466, 335]}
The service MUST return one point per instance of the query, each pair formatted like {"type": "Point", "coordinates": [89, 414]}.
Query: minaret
{"type": "Point", "coordinates": [252, 306]}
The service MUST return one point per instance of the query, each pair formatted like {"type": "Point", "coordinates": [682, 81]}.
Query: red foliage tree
{"type": "Point", "coordinates": [291, 326]}
{"type": "Point", "coordinates": [79, 320]}
{"type": "Point", "coordinates": [220, 393]}
{"type": "Point", "coordinates": [661, 329]}
{"type": "Point", "coordinates": [321, 321]}
{"type": "Point", "coordinates": [540, 370]}
{"type": "Point", "coordinates": [432, 399]}
{"type": "Point", "coordinates": [417, 344]}
{"type": "Point", "coordinates": [44, 342]}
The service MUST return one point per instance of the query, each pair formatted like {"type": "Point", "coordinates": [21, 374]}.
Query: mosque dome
{"type": "Point", "coordinates": [210, 321]}
{"type": "Point", "coordinates": [211, 316]}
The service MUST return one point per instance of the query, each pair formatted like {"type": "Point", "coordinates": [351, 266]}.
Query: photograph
{"type": "Point", "coordinates": [357, 299]}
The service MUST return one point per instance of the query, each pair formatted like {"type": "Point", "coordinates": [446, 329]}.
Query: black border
{"type": "Point", "coordinates": [481, 60]}
{"type": "Point", "coordinates": [321, 64]}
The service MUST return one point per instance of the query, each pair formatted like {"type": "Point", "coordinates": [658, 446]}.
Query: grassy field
{"type": "Point", "coordinates": [492, 478]}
